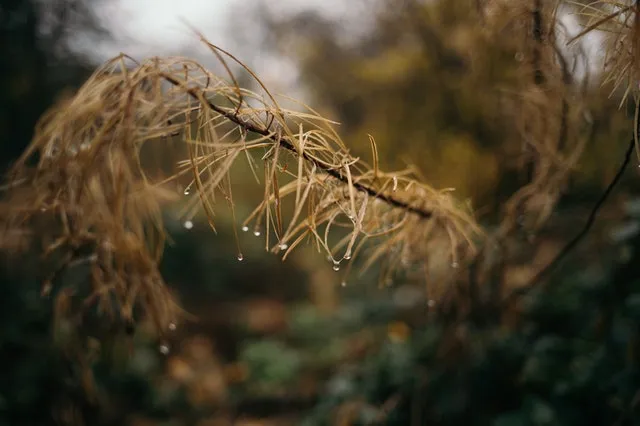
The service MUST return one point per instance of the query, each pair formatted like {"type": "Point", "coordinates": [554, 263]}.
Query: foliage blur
{"type": "Point", "coordinates": [277, 343]}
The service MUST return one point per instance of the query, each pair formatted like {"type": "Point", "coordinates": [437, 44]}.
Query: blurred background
{"type": "Point", "coordinates": [279, 343]}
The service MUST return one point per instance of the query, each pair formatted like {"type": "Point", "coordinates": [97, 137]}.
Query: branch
{"type": "Point", "coordinates": [286, 144]}
{"type": "Point", "coordinates": [571, 245]}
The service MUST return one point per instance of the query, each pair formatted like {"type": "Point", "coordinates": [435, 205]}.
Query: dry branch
{"type": "Point", "coordinates": [89, 185]}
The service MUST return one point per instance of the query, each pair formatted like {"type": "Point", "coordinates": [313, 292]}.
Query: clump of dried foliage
{"type": "Point", "coordinates": [82, 180]}
{"type": "Point", "coordinates": [619, 22]}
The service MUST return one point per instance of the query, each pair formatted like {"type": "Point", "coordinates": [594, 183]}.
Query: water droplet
{"type": "Point", "coordinates": [172, 326]}
{"type": "Point", "coordinates": [284, 246]}
{"type": "Point", "coordinates": [43, 209]}
{"type": "Point", "coordinates": [455, 264]}
{"type": "Point", "coordinates": [188, 224]}
{"type": "Point", "coordinates": [519, 56]}
{"type": "Point", "coordinates": [164, 349]}
{"type": "Point", "coordinates": [431, 303]}
{"type": "Point", "coordinates": [336, 267]}
{"type": "Point", "coordinates": [347, 255]}
{"type": "Point", "coordinates": [240, 257]}
{"type": "Point", "coordinates": [256, 233]}
{"type": "Point", "coordinates": [187, 191]}
{"type": "Point", "coordinates": [245, 229]}
{"type": "Point", "coordinates": [343, 283]}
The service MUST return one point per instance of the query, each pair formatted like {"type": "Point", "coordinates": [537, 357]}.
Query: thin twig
{"type": "Point", "coordinates": [286, 144]}
{"type": "Point", "coordinates": [585, 230]}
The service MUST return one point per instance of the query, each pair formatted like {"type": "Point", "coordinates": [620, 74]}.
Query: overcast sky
{"type": "Point", "coordinates": [144, 28]}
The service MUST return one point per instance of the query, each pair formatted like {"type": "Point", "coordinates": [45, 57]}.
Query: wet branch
{"type": "Point", "coordinates": [286, 144]}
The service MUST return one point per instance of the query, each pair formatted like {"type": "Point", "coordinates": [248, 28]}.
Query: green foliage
{"type": "Point", "coordinates": [572, 360]}
{"type": "Point", "coordinates": [271, 364]}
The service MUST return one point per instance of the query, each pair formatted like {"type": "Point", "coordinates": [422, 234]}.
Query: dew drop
{"type": "Point", "coordinates": [431, 303]}
{"type": "Point", "coordinates": [245, 229]}
{"type": "Point", "coordinates": [172, 326]}
{"type": "Point", "coordinates": [284, 246]}
{"type": "Point", "coordinates": [347, 256]}
{"type": "Point", "coordinates": [336, 267]}
{"type": "Point", "coordinates": [256, 233]}
{"type": "Point", "coordinates": [43, 209]}
{"type": "Point", "coordinates": [343, 283]}
{"type": "Point", "coordinates": [455, 265]}
{"type": "Point", "coordinates": [164, 349]}
{"type": "Point", "coordinates": [188, 224]}
{"type": "Point", "coordinates": [240, 257]}
{"type": "Point", "coordinates": [186, 191]}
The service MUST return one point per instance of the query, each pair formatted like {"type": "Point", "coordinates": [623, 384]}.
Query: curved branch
{"type": "Point", "coordinates": [571, 245]}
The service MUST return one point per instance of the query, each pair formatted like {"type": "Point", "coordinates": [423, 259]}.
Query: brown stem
{"type": "Point", "coordinates": [286, 144]}
{"type": "Point", "coordinates": [571, 245]}
{"type": "Point", "coordinates": [538, 38]}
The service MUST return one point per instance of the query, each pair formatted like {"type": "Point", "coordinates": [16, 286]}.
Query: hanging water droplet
{"type": "Point", "coordinates": [188, 224]}
{"type": "Point", "coordinates": [336, 267]}
{"type": "Point", "coordinates": [431, 303]}
{"type": "Point", "coordinates": [186, 191]}
{"type": "Point", "coordinates": [256, 233]}
{"type": "Point", "coordinates": [172, 326]}
{"type": "Point", "coordinates": [347, 255]}
{"type": "Point", "coordinates": [455, 264]}
{"type": "Point", "coordinates": [245, 229]}
{"type": "Point", "coordinates": [164, 349]}
{"type": "Point", "coordinates": [284, 246]}
{"type": "Point", "coordinates": [343, 283]}
{"type": "Point", "coordinates": [240, 257]}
